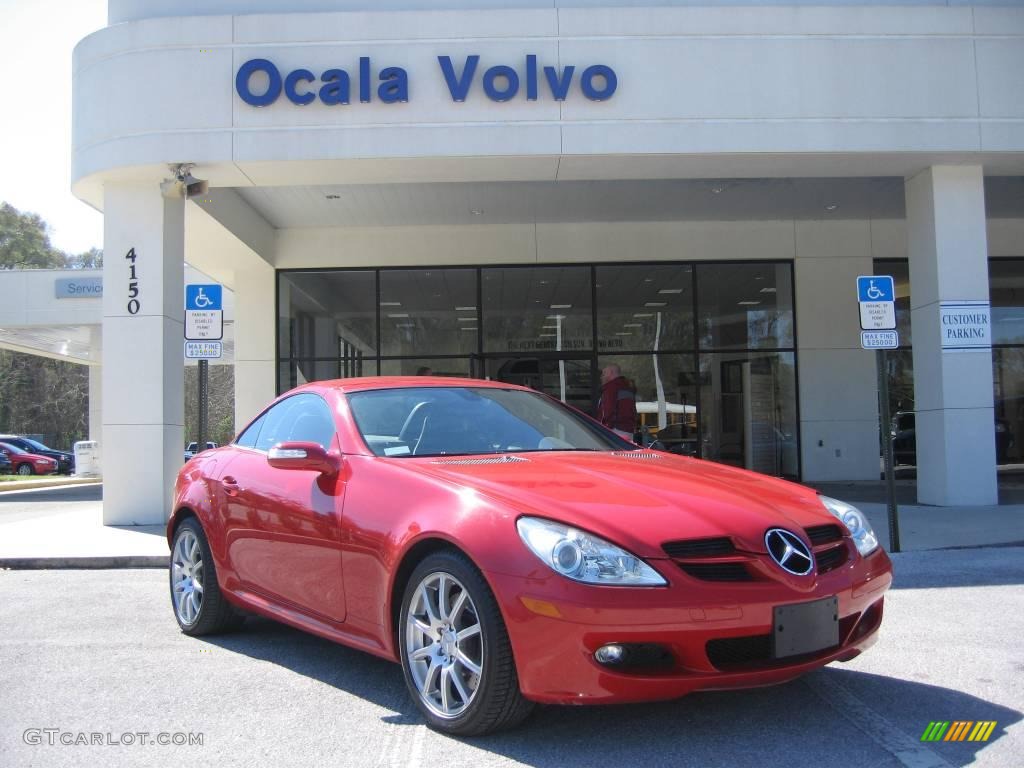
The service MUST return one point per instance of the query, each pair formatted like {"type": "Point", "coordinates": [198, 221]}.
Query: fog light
{"type": "Point", "coordinates": [609, 654]}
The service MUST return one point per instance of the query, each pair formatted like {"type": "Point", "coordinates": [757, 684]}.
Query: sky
{"type": "Point", "coordinates": [36, 40]}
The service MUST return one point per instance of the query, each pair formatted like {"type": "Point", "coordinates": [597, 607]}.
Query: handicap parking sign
{"type": "Point", "coordinates": [203, 297]}
{"type": "Point", "coordinates": [874, 288]}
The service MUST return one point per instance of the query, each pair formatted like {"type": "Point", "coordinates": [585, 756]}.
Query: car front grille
{"type": "Point", "coordinates": [689, 548]}
{"type": "Point", "coordinates": [717, 571]}
{"type": "Point", "coordinates": [831, 559]}
{"type": "Point", "coordinates": [755, 651]}
{"type": "Point", "coordinates": [824, 534]}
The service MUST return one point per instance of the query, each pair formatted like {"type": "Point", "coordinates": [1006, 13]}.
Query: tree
{"type": "Point", "coordinates": [25, 241]}
{"type": "Point", "coordinates": [91, 259]}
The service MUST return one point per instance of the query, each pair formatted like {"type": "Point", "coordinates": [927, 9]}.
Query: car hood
{"type": "Point", "coordinates": [637, 499]}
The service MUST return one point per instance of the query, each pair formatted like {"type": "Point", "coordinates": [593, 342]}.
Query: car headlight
{"type": "Point", "coordinates": [857, 523]}
{"type": "Point", "coordinates": [584, 557]}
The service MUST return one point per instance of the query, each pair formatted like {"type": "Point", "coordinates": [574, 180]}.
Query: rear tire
{"type": "Point", "coordinates": [25, 470]}
{"type": "Point", "coordinates": [198, 604]}
{"type": "Point", "coordinates": [455, 651]}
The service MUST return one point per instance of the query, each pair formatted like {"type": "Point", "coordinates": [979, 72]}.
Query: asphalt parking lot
{"type": "Point", "coordinates": [98, 652]}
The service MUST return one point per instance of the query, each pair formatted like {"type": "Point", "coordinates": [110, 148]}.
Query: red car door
{"type": "Point", "coordinates": [282, 526]}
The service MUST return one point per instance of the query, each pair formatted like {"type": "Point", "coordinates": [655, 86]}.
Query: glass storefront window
{"type": "Point", "coordinates": [641, 308]}
{"type": "Point", "coordinates": [292, 373]}
{"type": "Point", "coordinates": [899, 270]}
{"type": "Point", "coordinates": [537, 309]}
{"type": "Point", "coordinates": [1006, 292]}
{"type": "Point", "coordinates": [748, 414]}
{"type": "Point", "coordinates": [327, 314]}
{"type": "Point", "coordinates": [745, 306]}
{"type": "Point", "coordinates": [570, 380]}
{"type": "Point", "coordinates": [428, 312]}
{"type": "Point", "coordinates": [418, 366]}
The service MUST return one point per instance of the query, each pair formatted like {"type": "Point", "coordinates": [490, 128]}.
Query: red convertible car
{"type": "Point", "coordinates": [506, 549]}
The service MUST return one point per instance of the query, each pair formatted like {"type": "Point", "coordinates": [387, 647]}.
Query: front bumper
{"type": "Point", "coordinates": [717, 634]}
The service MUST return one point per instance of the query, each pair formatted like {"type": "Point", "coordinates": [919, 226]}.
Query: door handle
{"type": "Point", "coordinates": [231, 487]}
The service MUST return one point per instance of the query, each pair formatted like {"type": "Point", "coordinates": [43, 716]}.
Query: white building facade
{"type": "Point", "coordinates": [526, 191]}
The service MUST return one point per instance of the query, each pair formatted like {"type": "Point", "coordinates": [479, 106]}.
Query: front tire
{"type": "Point", "coordinates": [199, 606]}
{"type": "Point", "coordinates": [25, 470]}
{"type": "Point", "coordinates": [455, 650]}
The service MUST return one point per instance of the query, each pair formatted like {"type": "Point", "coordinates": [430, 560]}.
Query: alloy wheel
{"type": "Point", "coordinates": [444, 645]}
{"type": "Point", "coordinates": [187, 577]}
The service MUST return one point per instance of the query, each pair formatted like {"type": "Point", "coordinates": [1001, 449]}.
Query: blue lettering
{"type": "Point", "coordinates": [531, 77]}
{"type": "Point", "coordinates": [291, 83]}
{"type": "Point", "coordinates": [611, 82]}
{"type": "Point", "coordinates": [511, 87]}
{"type": "Point", "coordinates": [245, 73]}
{"type": "Point", "coordinates": [364, 79]}
{"type": "Point", "coordinates": [394, 85]}
{"type": "Point", "coordinates": [559, 87]}
{"type": "Point", "coordinates": [336, 87]}
{"type": "Point", "coordinates": [458, 87]}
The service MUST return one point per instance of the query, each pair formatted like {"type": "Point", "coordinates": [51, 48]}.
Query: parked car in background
{"type": "Point", "coordinates": [5, 465]}
{"type": "Point", "coordinates": [190, 449]}
{"type": "Point", "coordinates": [25, 463]}
{"type": "Point", "coordinates": [904, 438]}
{"type": "Point", "coordinates": [65, 459]}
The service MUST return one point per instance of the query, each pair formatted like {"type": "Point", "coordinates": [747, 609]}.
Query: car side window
{"type": "Point", "coordinates": [248, 438]}
{"type": "Point", "coordinates": [303, 418]}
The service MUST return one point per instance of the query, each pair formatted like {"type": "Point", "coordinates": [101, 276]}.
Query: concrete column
{"type": "Point", "coordinates": [96, 384]}
{"type": "Point", "coordinates": [255, 340]}
{"type": "Point", "coordinates": [143, 369]}
{"type": "Point", "coordinates": [838, 402]}
{"type": "Point", "coordinates": [946, 242]}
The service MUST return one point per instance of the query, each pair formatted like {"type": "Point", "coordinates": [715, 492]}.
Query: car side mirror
{"type": "Point", "coordinates": [303, 455]}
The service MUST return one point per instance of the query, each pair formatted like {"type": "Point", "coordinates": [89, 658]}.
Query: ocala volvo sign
{"type": "Point", "coordinates": [260, 83]}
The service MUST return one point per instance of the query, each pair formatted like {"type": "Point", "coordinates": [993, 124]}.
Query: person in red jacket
{"type": "Point", "coordinates": [617, 407]}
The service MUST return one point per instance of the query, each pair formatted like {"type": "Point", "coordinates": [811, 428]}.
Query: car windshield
{"type": "Point", "coordinates": [436, 421]}
{"type": "Point", "coordinates": [35, 444]}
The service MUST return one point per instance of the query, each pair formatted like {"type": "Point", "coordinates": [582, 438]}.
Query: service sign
{"type": "Point", "coordinates": [965, 325]}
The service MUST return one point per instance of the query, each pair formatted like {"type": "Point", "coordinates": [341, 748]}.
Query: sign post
{"type": "Point", "coordinates": [204, 327]}
{"type": "Point", "coordinates": [876, 296]}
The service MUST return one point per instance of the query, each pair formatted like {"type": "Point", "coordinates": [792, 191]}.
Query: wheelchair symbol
{"type": "Point", "coordinates": [202, 300]}
{"type": "Point", "coordinates": [873, 291]}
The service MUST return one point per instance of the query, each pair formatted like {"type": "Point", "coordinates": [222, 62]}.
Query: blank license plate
{"type": "Point", "coordinates": [805, 627]}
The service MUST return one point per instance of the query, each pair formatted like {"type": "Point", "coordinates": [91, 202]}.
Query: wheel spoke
{"type": "Point", "coordinates": [446, 701]}
{"type": "Point", "coordinates": [422, 654]}
{"type": "Point", "coordinates": [442, 598]}
{"type": "Point", "coordinates": [467, 662]}
{"type": "Point", "coordinates": [430, 680]}
{"type": "Point", "coordinates": [192, 556]}
{"type": "Point", "coordinates": [468, 632]}
{"type": "Point", "coordinates": [196, 585]}
{"type": "Point", "coordinates": [422, 626]}
{"type": "Point", "coordinates": [460, 686]}
{"type": "Point", "coordinates": [427, 607]}
{"type": "Point", "coordinates": [457, 607]}
{"type": "Point", "coordinates": [195, 600]}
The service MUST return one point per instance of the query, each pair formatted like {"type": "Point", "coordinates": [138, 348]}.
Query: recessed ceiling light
{"type": "Point", "coordinates": [465, 309]}
{"type": "Point", "coordinates": [400, 314]}
{"type": "Point", "coordinates": [466, 319]}
{"type": "Point", "coordinates": [405, 325]}
{"type": "Point", "coordinates": [768, 290]}
{"type": "Point", "coordinates": [391, 303]}
{"type": "Point", "coordinates": [477, 211]}
{"type": "Point", "coordinates": [747, 303]}
{"type": "Point", "coordinates": [632, 325]}
{"type": "Point", "coordinates": [648, 279]}
{"type": "Point", "coordinates": [831, 207]}
{"type": "Point", "coordinates": [655, 304]}
{"type": "Point", "coordinates": [623, 333]}
{"type": "Point", "coordinates": [555, 327]}
{"type": "Point", "coordinates": [561, 306]}
{"type": "Point", "coordinates": [718, 190]}
{"type": "Point", "coordinates": [554, 317]}
{"type": "Point", "coordinates": [465, 328]}
{"type": "Point", "coordinates": [670, 290]}
{"type": "Point", "coordinates": [547, 335]}
{"type": "Point", "coordinates": [543, 282]}
{"type": "Point", "coordinates": [643, 314]}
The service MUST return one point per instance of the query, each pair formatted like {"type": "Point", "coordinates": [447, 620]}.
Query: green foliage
{"type": "Point", "coordinates": [25, 244]}
{"type": "Point", "coordinates": [39, 396]}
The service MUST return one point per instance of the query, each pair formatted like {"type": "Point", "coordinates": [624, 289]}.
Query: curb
{"type": "Point", "coordinates": [84, 563]}
{"type": "Point", "coordinates": [21, 486]}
